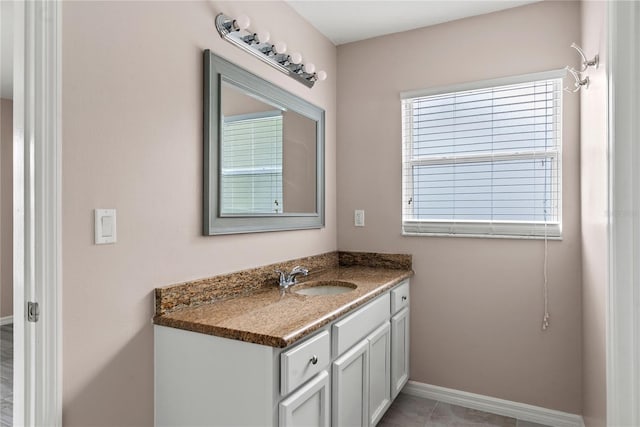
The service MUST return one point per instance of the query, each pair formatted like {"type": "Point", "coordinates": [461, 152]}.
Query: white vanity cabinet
{"type": "Point", "coordinates": [350, 391]}
{"type": "Point", "coordinates": [344, 375]}
{"type": "Point", "coordinates": [361, 377]}
{"type": "Point", "coordinates": [399, 338]}
{"type": "Point", "coordinates": [379, 373]}
{"type": "Point", "coordinates": [308, 406]}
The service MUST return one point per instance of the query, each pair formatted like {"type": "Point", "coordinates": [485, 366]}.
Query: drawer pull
{"type": "Point", "coordinates": [404, 298]}
{"type": "Point", "coordinates": [314, 360]}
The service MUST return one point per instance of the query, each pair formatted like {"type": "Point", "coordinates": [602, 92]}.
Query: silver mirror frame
{"type": "Point", "coordinates": [217, 70]}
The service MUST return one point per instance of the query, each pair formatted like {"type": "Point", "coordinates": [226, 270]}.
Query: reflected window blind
{"type": "Point", "coordinates": [484, 161]}
{"type": "Point", "coordinates": [251, 164]}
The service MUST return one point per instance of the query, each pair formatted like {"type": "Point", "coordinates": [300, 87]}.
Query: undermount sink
{"type": "Point", "coordinates": [324, 287]}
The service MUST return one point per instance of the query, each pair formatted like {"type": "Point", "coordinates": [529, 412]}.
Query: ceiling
{"type": "Point", "coordinates": [352, 20]}
{"type": "Point", "coordinates": [6, 49]}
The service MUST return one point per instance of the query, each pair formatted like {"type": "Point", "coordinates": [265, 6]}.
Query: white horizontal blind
{"type": "Point", "coordinates": [484, 161]}
{"type": "Point", "coordinates": [251, 164]}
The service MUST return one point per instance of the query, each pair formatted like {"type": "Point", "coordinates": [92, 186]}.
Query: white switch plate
{"type": "Point", "coordinates": [105, 226]}
{"type": "Point", "coordinates": [358, 218]}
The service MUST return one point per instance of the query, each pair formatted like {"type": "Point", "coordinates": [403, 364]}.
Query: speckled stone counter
{"type": "Point", "coordinates": [249, 306]}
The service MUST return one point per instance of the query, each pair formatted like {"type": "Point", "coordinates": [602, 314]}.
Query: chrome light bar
{"type": "Point", "coordinates": [237, 31]}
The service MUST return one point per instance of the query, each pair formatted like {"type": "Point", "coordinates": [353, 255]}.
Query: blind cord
{"type": "Point", "coordinates": [546, 317]}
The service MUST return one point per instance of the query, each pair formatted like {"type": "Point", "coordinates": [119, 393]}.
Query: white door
{"type": "Point", "coordinates": [399, 351]}
{"type": "Point", "coordinates": [309, 406]}
{"type": "Point", "coordinates": [350, 389]}
{"type": "Point", "coordinates": [379, 373]}
{"type": "Point", "coordinates": [37, 213]}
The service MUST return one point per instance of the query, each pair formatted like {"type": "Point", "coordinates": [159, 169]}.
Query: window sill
{"type": "Point", "coordinates": [489, 230]}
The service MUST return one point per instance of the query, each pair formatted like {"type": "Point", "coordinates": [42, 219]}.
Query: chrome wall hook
{"type": "Point", "coordinates": [586, 63]}
{"type": "Point", "coordinates": [579, 81]}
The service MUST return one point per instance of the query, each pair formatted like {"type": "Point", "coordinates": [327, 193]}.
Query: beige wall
{"type": "Point", "coordinates": [236, 102]}
{"type": "Point", "coordinates": [594, 179]}
{"type": "Point", "coordinates": [300, 159]}
{"type": "Point", "coordinates": [476, 304]}
{"type": "Point", "coordinates": [6, 207]}
{"type": "Point", "coordinates": [132, 132]}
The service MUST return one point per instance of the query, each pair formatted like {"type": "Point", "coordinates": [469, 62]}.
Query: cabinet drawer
{"type": "Point", "coordinates": [304, 361]}
{"type": "Point", "coordinates": [400, 297]}
{"type": "Point", "coordinates": [358, 325]}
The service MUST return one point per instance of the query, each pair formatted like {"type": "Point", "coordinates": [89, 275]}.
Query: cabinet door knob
{"type": "Point", "coordinates": [404, 298]}
{"type": "Point", "coordinates": [314, 359]}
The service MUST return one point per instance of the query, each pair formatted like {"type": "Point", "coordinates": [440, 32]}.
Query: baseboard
{"type": "Point", "coordinates": [507, 408]}
{"type": "Point", "coordinates": [6, 320]}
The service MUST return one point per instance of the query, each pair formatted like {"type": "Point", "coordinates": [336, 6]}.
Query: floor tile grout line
{"type": "Point", "coordinates": [431, 413]}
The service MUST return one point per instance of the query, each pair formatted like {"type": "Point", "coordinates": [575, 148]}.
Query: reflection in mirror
{"type": "Point", "coordinates": [263, 154]}
{"type": "Point", "coordinates": [268, 157]}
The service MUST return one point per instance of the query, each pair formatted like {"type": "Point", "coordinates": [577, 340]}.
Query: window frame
{"type": "Point", "coordinates": [482, 228]}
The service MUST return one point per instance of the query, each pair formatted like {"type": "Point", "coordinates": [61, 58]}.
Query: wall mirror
{"type": "Point", "coordinates": [263, 154]}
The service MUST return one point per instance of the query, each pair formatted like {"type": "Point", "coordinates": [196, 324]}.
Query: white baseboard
{"type": "Point", "coordinates": [521, 411]}
{"type": "Point", "coordinates": [6, 320]}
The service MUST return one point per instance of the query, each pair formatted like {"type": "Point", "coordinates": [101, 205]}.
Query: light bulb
{"type": "Point", "coordinates": [295, 57]}
{"type": "Point", "coordinates": [321, 75]}
{"type": "Point", "coordinates": [309, 68]}
{"type": "Point", "coordinates": [263, 36]}
{"type": "Point", "coordinates": [242, 22]}
{"type": "Point", "coordinates": [280, 47]}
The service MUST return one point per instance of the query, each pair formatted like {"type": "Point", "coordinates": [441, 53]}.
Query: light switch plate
{"type": "Point", "coordinates": [105, 226]}
{"type": "Point", "coordinates": [358, 218]}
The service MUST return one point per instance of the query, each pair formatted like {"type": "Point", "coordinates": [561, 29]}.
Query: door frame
{"type": "Point", "coordinates": [623, 307]}
{"type": "Point", "coordinates": [37, 212]}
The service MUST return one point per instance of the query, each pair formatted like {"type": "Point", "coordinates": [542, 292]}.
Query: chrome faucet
{"type": "Point", "coordinates": [289, 279]}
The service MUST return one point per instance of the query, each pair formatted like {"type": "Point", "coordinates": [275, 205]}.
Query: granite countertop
{"type": "Point", "coordinates": [277, 318]}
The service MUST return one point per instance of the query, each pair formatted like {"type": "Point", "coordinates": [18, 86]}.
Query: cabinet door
{"type": "Point", "coordinates": [399, 351]}
{"type": "Point", "coordinates": [379, 373]}
{"type": "Point", "coordinates": [309, 406]}
{"type": "Point", "coordinates": [350, 388]}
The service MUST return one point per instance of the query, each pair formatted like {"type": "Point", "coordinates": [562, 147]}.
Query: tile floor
{"type": "Point", "coordinates": [6, 375]}
{"type": "Point", "coordinates": [411, 411]}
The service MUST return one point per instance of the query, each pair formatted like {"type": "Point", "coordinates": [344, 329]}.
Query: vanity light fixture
{"type": "Point", "coordinates": [237, 31]}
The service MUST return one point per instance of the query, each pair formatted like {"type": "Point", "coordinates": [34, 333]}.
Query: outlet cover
{"type": "Point", "coordinates": [358, 218]}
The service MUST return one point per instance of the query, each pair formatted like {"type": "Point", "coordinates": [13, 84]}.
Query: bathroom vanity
{"type": "Point", "coordinates": [282, 358]}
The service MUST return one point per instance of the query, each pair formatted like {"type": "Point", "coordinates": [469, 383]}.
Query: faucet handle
{"type": "Point", "coordinates": [284, 278]}
{"type": "Point", "coordinates": [300, 269]}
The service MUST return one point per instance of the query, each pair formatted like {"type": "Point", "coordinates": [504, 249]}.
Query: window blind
{"type": "Point", "coordinates": [251, 164]}
{"type": "Point", "coordinates": [484, 161]}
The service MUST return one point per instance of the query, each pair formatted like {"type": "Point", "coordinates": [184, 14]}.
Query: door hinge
{"type": "Point", "coordinates": [33, 311]}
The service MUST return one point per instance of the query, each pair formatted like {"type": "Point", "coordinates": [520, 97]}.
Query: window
{"type": "Point", "coordinates": [485, 159]}
{"type": "Point", "coordinates": [251, 177]}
